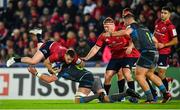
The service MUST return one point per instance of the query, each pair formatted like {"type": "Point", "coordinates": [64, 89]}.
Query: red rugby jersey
{"type": "Point", "coordinates": [116, 45]}
{"type": "Point", "coordinates": [164, 32]}
{"type": "Point", "coordinates": [57, 53]}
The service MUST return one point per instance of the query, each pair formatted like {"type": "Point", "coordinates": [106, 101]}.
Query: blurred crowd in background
{"type": "Point", "coordinates": [73, 23]}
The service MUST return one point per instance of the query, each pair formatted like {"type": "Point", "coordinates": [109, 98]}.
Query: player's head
{"type": "Point", "coordinates": [128, 16]}
{"type": "Point", "coordinates": [165, 13]}
{"type": "Point", "coordinates": [69, 56]}
{"type": "Point", "coordinates": [108, 24]}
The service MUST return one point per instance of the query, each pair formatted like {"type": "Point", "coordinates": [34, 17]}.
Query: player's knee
{"type": "Point", "coordinates": [33, 62]}
{"type": "Point", "coordinates": [79, 97]}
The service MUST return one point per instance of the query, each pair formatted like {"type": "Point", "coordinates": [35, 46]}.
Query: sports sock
{"type": "Point", "coordinates": [149, 95]}
{"type": "Point", "coordinates": [121, 85]}
{"type": "Point", "coordinates": [17, 60]}
{"type": "Point", "coordinates": [165, 82]}
{"type": "Point", "coordinates": [131, 85]}
{"type": "Point", "coordinates": [154, 92]}
{"type": "Point", "coordinates": [162, 88]}
{"type": "Point", "coordinates": [107, 88]}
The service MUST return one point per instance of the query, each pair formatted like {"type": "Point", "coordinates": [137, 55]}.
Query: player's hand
{"type": "Point", "coordinates": [128, 50]}
{"type": "Point", "coordinates": [161, 45]}
{"type": "Point", "coordinates": [32, 70]}
{"type": "Point", "coordinates": [82, 64]}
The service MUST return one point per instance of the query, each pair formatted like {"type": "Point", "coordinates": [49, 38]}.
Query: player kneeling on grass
{"type": "Point", "coordinates": [87, 83]}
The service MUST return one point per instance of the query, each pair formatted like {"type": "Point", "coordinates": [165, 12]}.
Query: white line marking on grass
{"type": "Point", "coordinates": [89, 109]}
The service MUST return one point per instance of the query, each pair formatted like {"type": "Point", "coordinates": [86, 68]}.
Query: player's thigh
{"type": "Point", "coordinates": [97, 85]}
{"type": "Point", "coordinates": [86, 81]}
{"type": "Point", "coordinates": [38, 56]}
{"type": "Point", "coordinates": [109, 74]}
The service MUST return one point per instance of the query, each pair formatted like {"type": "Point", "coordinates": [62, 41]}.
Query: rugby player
{"type": "Point", "coordinates": [166, 35]}
{"type": "Point", "coordinates": [50, 50]}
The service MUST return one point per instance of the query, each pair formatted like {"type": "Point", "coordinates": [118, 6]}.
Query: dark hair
{"type": "Point", "coordinates": [71, 53]}
{"type": "Point", "coordinates": [127, 12]}
{"type": "Point", "coordinates": [108, 20]}
{"type": "Point", "coordinates": [167, 8]}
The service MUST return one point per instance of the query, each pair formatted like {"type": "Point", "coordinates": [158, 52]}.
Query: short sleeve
{"type": "Point", "coordinates": [172, 31]}
{"type": "Point", "coordinates": [100, 41]}
{"type": "Point", "coordinates": [54, 57]}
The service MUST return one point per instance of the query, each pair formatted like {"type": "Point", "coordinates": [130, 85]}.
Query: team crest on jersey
{"type": "Point", "coordinates": [164, 28]}
{"type": "Point", "coordinates": [107, 40]}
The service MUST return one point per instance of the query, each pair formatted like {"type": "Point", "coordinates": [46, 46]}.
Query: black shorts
{"type": "Point", "coordinates": [129, 62]}
{"type": "Point", "coordinates": [45, 48]}
{"type": "Point", "coordinates": [77, 74]}
{"type": "Point", "coordinates": [115, 64]}
{"type": "Point", "coordinates": [148, 59]}
{"type": "Point", "coordinates": [163, 61]}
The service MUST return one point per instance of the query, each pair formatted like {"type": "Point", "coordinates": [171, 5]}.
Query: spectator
{"type": "Point", "coordinates": [89, 7]}
{"type": "Point", "coordinates": [71, 40]}
{"type": "Point", "coordinates": [3, 33]}
{"type": "Point", "coordinates": [83, 48]}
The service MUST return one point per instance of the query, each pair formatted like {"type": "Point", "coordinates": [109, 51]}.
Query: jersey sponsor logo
{"type": "Point", "coordinates": [127, 66]}
{"type": "Point", "coordinates": [174, 32]}
{"type": "Point", "coordinates": [4, 84]}
{"type": "Point", "coordinates": [163, 28]}
{"type": "Point", "coordinates": [161, 63]}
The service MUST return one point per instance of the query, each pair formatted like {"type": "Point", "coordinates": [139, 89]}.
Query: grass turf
{"type": "Point", "coordinates": [69, 104]}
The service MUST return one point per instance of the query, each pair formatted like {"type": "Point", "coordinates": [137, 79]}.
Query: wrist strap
{"type": "Point", "coordinates": [38, 75]}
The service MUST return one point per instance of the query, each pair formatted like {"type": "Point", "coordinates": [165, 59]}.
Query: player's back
{"type": "Point", "coordinates": [142, 37]}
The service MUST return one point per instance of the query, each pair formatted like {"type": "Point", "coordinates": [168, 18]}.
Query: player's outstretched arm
{"type": "Point", "coordinates": [92, 52]}
{"type": "Point", "coordinates": [46, 78]}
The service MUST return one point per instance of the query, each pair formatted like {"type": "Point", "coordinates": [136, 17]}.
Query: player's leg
{"type": "Point", "coordinates": [38, 34]}
{"type": "Point", "coordinates": [162, 67]}
{"type": "Point", "coordinates": [111, 69]}
{"type": "Point", "coordinates": [121, 81]}
{"type": "Point", "coordinates": [153, 90]}
{"type": "Point", "coordinates": [130, 82]}
{"type": "Point", "coordinates": [157, 81]}
{"type": "Point", "coordinates": [98, 89]}
{"type": "Point", "coordinates": [129, 63]}
{"type": "Point", "coordinates": [38, 55]}
{"type": "Point", "coordinates": [140, 75]}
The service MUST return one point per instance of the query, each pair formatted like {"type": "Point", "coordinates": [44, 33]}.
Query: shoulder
{"type": "Point", "coordinates": [157, 21]}
{"type": "Point", "coordinates": [170, 24]}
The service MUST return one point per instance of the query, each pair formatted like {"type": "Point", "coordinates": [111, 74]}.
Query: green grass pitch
{"type": "Point", "coordinates": [69, 105]}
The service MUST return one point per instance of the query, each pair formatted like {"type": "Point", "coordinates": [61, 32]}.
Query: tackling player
{"type": "Point", "coordinates": [87, 82]}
